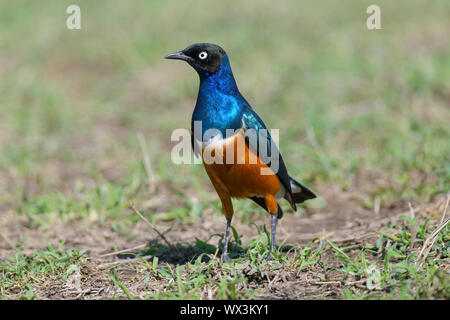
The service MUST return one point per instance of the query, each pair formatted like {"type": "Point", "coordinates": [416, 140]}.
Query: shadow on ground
{"type": "Point", "coordinates": [183, 252]}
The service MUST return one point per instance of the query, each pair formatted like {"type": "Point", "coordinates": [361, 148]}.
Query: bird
{"type": "Point", "coordinates": [235, 126]}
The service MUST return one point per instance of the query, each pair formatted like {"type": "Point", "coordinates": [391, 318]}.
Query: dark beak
{"type": "Point", "coordinates": [179, 56]}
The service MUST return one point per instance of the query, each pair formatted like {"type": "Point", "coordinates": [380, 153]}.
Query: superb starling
{"type": "Point", "coordinates": [221, 109]}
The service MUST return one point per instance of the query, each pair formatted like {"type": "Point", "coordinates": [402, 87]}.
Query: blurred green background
{"type": "Point", "coordinates": [352, 104]}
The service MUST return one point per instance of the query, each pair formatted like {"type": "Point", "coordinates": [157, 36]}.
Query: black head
{"type": "Point", "coordinates": [201, 56]}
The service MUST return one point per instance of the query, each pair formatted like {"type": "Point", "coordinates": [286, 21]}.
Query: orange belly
{"type": "Point", "coordinates": [242, 177]}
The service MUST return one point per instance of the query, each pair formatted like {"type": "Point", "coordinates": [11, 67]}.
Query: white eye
{"type": "Point", "coordinates": [202, 55]}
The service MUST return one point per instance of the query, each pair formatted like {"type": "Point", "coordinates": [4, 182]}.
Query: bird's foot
{"type": "Point", "coordinates": [225, 258]}
{"type": "Point", "coordinates": [268, 257]}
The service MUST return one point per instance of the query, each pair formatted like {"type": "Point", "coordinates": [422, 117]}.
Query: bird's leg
{"type": "Point", "coordinates": [225, 257]}
{"type": "Point", "coordinates": [274, 231]}
{"type": "Point", "coordinates": [272, 239]}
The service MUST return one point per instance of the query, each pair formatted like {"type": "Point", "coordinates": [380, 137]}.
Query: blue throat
{"type": "Point", "coordinates": [219, 103]}
{"type": "Point", "coordinates": [222, 80]}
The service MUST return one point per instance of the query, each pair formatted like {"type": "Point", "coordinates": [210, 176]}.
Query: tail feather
{"type": "Point", "coordinates": [300, 193]}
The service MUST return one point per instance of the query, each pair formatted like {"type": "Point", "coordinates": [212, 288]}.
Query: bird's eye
{"type": "Point", "coordinates": [202, 55]}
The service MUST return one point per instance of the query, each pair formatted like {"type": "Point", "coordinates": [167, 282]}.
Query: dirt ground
{"type": "Point", "coordinates": [346, 222]}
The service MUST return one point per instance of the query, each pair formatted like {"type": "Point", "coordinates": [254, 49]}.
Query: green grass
{"type": "Point", "coordinates": [387, 270]}
{"type": "Point", "coordinates": [362, 111]}
{"type": "Point", "coordinates": [20, 273]}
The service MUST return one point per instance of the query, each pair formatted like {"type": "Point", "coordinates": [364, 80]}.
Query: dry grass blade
{"type": "Point", "coordinates": [377, 206]}
{"type": "Point", "coordinates": [152, 179]}
{"type": "Point", "coordinates": [414, 231]}
{"type": "Point", "coordinates": [326, 282]}
{"type": "Point", "coordinates": [116, 263]}
{"type": "Point", "coordinates": [122, 251]}
{"type": "Point", "coordinates": [161, 235]}
{"type": "Point", "coordinates": [429, 242]}
{"type": "Point", "coordinates": [10, 244]}
{"type": "Point", "coordinates": [445, 209]}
